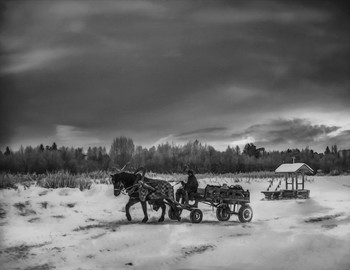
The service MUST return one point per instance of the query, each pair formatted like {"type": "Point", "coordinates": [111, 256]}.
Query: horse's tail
{"type": "Point", "coordinates": [171, 192]}
{"type": "Point", "coordinates": [170, 196]}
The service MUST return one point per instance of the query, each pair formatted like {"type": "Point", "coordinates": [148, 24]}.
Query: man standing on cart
{"type": "Point", "coordinates": [188, 187]}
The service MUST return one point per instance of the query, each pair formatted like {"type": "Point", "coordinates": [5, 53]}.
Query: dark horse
{"type": "Point", "coordinates": [142, 189]}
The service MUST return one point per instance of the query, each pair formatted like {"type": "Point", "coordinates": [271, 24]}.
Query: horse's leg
{"type": "Point", "coordinates": [131, 202]}
{"type": "Point", "coordinates": [144, 208]}
{"type": "Point", "coordinates": [162, 205]}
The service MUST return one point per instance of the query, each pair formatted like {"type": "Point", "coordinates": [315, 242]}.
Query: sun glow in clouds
{"type": "Point", "coordinates": [243, 141]}
{"type": "Point", "coordinates": [73, 136]}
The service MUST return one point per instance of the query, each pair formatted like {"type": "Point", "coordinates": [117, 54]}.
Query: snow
{"type": "Point", "coordinates": [73, 229]}
{"type": "Point", "coordinates": [293, 167]}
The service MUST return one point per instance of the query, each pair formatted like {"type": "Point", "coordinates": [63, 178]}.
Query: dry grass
{"type": "Point", "coordinates": [64, 179]}
{"type": "Point", "coordinates": [7, 181]}
{"type": "Point", "coordinates": [227, 177]}
{"type": "Point", "coordinates": [61, 179]}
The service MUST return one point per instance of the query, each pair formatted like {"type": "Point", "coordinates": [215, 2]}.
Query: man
{"type": "Point", "coordinates": [188, 187]}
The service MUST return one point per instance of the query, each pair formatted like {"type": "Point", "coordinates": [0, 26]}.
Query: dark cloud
{"type": "Point", "coordinates": [342, 139]}
{"type": "Point", "coordinates": [291, 133]}
{"type": "Point", "coordinates": [155, 69]}
{"type": "Point", "coordinates": [6, 129]}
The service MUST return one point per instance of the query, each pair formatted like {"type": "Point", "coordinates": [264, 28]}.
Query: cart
{"type": "Point", "coordinates": [228, 201]}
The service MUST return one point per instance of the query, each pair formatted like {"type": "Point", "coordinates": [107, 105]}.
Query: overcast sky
{"type": "Point", "coordinates": [80, 73]}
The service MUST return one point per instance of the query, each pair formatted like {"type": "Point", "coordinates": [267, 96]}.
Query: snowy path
{"type": "Point", "coordinates": [69, 229]}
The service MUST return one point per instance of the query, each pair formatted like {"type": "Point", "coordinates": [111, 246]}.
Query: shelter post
{"type": "Point", "coordinates": [292, 191]}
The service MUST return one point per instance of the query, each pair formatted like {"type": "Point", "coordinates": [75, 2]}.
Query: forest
{"type": "Point", "coordinates": [168, 158]}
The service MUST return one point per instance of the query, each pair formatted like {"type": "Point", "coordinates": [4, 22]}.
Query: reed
{"type": "Point", "coordinates": [64, 179]}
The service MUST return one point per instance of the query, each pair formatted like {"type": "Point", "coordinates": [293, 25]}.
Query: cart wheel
{"type": "Point", "coordinates": [245, 213]}
{"type": "Point", "coordinates": [174, 214]}
{"type": "Point", "coordinates": [196, 216]}
{"type": "Point", "coordinates": [223, 213]}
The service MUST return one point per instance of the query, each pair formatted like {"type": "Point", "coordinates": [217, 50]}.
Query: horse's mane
{"type": "Point", "coordinates": [128, 179]}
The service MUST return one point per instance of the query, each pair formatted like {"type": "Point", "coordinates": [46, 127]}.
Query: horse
{"type": "Point", "coordinates": [142, 189]}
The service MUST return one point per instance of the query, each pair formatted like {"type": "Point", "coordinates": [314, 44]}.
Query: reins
{"type": "Point", "coordinates": [129, 190]}
{"type": "Point", "coordinates": [145, 183]}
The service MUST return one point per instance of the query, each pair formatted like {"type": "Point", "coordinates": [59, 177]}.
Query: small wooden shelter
{"type": "Point", "coordinates": [294, 176]}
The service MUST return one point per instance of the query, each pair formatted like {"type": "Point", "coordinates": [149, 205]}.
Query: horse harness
{"type": "Point", "coordinates": [162, 190]}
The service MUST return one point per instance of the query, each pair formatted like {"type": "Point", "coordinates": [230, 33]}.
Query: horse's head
{"type": "Point", "coordinates": [118, 181]}
{"type": "Point", "coordinates": [123, 181]}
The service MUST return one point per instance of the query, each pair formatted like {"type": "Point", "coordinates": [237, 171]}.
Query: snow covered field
{"type": "Point", "coordinates": [70, 229]}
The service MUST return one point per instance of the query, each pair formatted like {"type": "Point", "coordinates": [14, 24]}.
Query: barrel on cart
{"type": "Point", "coordinates": [228, 201]}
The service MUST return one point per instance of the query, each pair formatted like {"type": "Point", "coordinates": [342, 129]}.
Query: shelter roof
{"type": "Point", "coordinates": [294, 168]}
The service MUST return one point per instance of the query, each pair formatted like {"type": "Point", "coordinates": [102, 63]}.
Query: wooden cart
{"type": "Point", "coordinates": [233, 200]}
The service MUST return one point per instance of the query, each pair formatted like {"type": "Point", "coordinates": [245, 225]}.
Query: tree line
{"type": "Point", "coordinates": [168, 158]}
